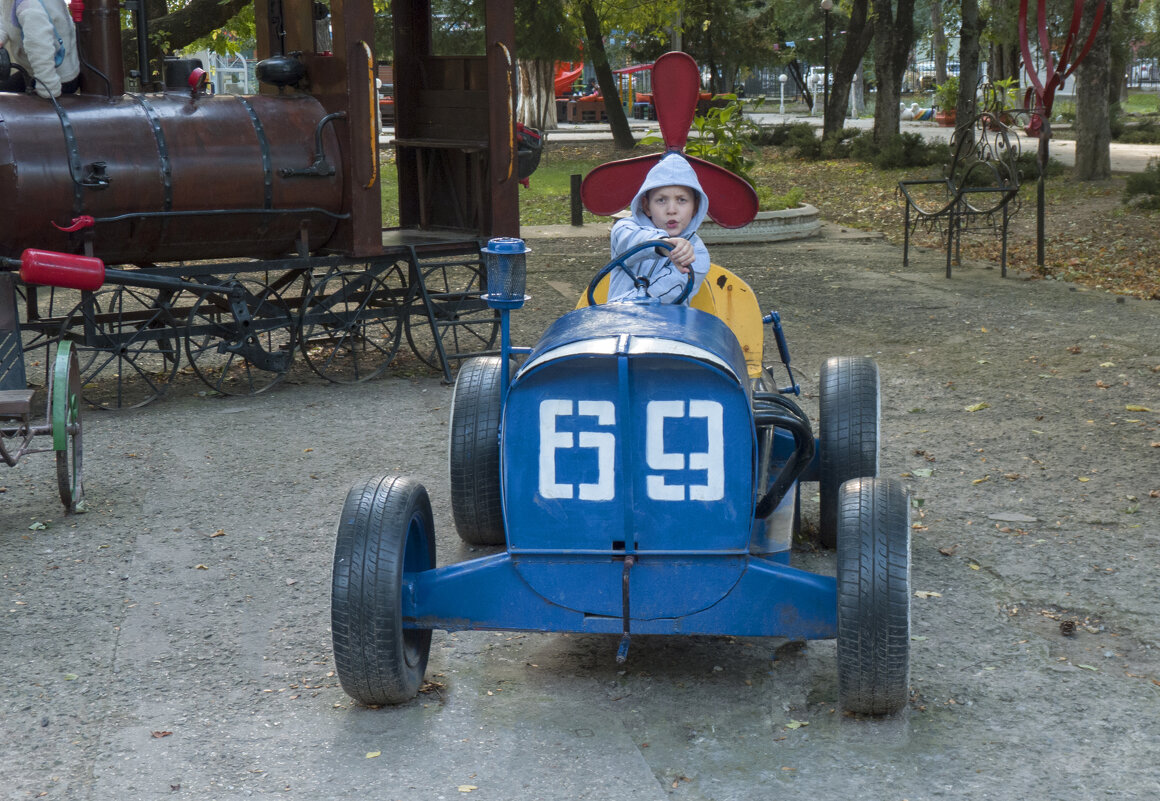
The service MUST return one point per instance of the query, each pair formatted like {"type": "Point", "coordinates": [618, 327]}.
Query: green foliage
{"type": "Point", "coordinates": [768, 201]}
{"type": "Point", "coordinates": [899, 151]}
{"type": "Point", "coordinates": [1028, 165]}
{"type": "Point", "coordinates": [1146, 183]}
{"type": "Point", "coordinates": [724, 136]}
{"type": "Point", "coordinates": [783, 135]}
{"type": "Point", "coordinates": [946, 95]}
{"type": "Point", "coordinates": [1143, 132]}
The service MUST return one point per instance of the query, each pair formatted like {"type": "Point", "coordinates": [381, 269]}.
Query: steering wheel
{"type": "Point", "coordinates": [640, 281]}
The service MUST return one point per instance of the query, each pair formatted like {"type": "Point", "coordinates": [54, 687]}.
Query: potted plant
{"type": "Point", "coordinates": [946, 98]}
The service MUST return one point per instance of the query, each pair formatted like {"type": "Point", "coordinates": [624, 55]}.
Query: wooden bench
{"type": "Point", "coordinates": [978, 192]}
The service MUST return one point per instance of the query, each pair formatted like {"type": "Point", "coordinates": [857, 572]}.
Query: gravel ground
{"type": "Point", "coordinates": [174, 640]}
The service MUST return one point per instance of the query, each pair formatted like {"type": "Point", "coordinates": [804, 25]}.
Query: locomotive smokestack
{"type": "Point", "coordinates": [99, 37]}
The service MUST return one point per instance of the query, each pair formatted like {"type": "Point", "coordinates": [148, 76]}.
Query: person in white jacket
{"type": "Point", "coordinates": [40, 37]}
{"type": "Point", "coordinates": [669, 206]}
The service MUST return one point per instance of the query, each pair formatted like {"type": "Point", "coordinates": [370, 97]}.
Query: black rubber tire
{"type": "Point", "coordinates": [848, 418]}
{"type": "Point", "coordinates": [386, 529]}
{"type": "Point", "coordinates": [873, 597]}
{"type": "Point", "coordinates": [476, 502]}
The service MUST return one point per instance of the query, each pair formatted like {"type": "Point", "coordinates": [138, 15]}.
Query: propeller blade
{"type": "Point", "coordinates": [611, 187]}
{"type": "Point", "coordinates": [732, 201]}
{"type": "Point", "coordinates": [676, 86]}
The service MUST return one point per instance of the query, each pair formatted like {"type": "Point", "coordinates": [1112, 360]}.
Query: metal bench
{"type": "Point", "coordinates": [63, 415]}
{"type": "Point", "coordinates": [978, 193]}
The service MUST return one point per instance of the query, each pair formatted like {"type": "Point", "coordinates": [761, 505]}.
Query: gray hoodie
{"type": "Point", "coordinates": [40, 36]}
{"type": "Point", "coordinates": [665, 280]}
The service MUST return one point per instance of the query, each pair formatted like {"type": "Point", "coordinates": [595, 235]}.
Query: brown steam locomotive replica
{"type": "Point", "coordinates": [235, 234]}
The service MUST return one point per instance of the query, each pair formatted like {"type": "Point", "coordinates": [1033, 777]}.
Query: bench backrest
{"type": "Point", "coordinates": [12, 374]}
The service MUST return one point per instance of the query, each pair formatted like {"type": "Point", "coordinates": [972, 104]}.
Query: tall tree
{"type": "Point", "coordinates": [598, 55]}
{"type": "Point", "coordinates": [893, 22]}
{"type": "Point", "coordinates": [969, 36]}
{"type": "Point", "coordinates": [544, 34]}
{"type": "Point", "coordinates": [859, 34]}
{"type": "Point", "coordinates": [1093, 133]}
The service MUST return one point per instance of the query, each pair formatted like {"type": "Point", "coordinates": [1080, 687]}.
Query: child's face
{"type": "Point", "coordinates": [671, 208]}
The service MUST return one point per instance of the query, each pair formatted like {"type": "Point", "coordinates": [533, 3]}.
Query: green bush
{"type": "Point", "coordinates": [1146, 183]}
{"type": "Point", "coordinates": [899, 151]}
{"type": "Point", "coordinates": [1144, 132]}
{"type": "Point", "coordinates": [786, 134]}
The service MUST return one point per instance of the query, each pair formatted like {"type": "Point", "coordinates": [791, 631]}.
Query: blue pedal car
{"type": "Point", "coordinates": [642, 471]}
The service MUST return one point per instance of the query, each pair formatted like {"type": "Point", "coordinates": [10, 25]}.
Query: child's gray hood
{"type": "Point", "coordinates": [672, 170]}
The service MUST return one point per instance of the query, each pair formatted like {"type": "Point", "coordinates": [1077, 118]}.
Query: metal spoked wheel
{"type": "Point", "coordinates": [463, 322]}
{"type": "Point", "coordinates": [65, 413]}
{"type": "Point", "coordinates": [126, 345]}
{"type": "Point", "coordinates": [240, 338]}
{"type": "Point", "coordinates": [350, 324]}
{"type": "Point", "coordinates": [385, 536]}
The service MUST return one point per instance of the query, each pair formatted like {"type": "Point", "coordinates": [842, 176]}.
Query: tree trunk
{"type": "Point", "coordinates": [859, 34]}
{"type": "Point", "coordinates": [594, 37]}
{"type": "Point", "coordinates": [1124, 13]}
{"type": "Point", "coordinates": [968, 59]}
{"type": "Point", "coordinates": [537, 103]}
{"type": "Point", "coordinates": [893, 38]}
{"type": "Point", "coordinates": [940, 41]}
{"type": "Point", "coordinates": [1093, 134]}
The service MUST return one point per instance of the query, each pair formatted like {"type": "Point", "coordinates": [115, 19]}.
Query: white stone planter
{"type": "Point", "coordinates": [767, 226]}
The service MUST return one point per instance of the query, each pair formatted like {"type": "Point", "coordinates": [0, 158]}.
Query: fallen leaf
{"type": "Point", "coordinates": [467, 788]}
{"type": "Point", "coordinates": [1089, 667]}
{"type": "Point", "coordinates": [797, 724]}
{"type": "Point", "coordinates": [221, 532]}
{"type": "Point", "coordinates": [70, 677]}
{"type": "Point", "coordinates": [373, 754]}
{"type": "Point", "coordinates": [160, 734]}
{"type": "Point", "coordinates": [1084, 478]}
{"type": "Point", "coordinates": [927, 594]}
{"type": "Point", "coordinates": [978, 407]}
{"type": "Point", "coordinates": [200, 567]}
{"type": "Point", "coordinates": [948, 550]}
{"type": "Point", "coordinates": [973, 566]}
{"type": "Point", "coordinates": [1132, 407]}
{"type": "Point", "coordinates": [981, 480]}
{"type": "Point", "coordinates": [37, 526]}
{"type": "Point", "coordinates": [922, 472]}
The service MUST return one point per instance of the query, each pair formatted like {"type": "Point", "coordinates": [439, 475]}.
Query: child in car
{"type": "Point", "coordinates": [669, 206]}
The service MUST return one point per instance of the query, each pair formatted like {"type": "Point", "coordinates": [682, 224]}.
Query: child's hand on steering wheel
{"type": "Point", "coordinates": [682, 253]}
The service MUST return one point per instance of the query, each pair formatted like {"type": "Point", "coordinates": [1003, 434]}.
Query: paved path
{"type": "Point", "coordinates": [1125, 158]}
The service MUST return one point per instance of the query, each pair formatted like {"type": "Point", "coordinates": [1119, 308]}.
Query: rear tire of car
{"type": "Point", "coordinates": [476, 501]}
{"type": "Point", "coordinates": [873, 597]}
{"type": "Point", "coordinates": [848, 432]}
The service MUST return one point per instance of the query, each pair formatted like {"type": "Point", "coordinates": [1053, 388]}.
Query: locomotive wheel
{"type": "Point", "coordinates": [240, 339]}
{"type": "Point", "coordinates": [463, 322]}
{"type": "Point", "coordinates": [64, 410]}
{"type": "Point", "coordinates": [474, 453]}
{"type": "Point", "coordinates": [386, 532]}
{"type": "Point", "coordinates": [873, 597]}
{"type": "Point", "coordinates": [848, 432]}
{"type": "Point", "coordinates": [126, 345]}
{"type": "Point", "coordinates": [350, 326]}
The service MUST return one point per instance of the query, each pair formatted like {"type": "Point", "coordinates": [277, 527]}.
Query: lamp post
{"type": "Point", "coordinates": [827, 7]}
{"type": "Point", "coordinates": [782, 79]}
